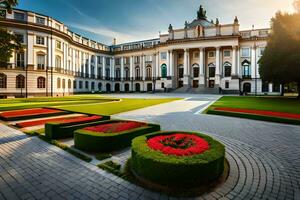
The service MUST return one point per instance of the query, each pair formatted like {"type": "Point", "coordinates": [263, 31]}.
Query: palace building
{"type": "Point", "coordinates": [202, 57]}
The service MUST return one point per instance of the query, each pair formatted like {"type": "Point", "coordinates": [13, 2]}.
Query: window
{"type": "Point", "coordinates": [40, 40]}
{"type": "Point", "coordinates": [211, 54]}
{"type": "Point", "coordinates": [40, 20]}
{"type": "Point", "coordinates": [107, 61]}
{"type": "Point", "coordinates": [3, 80]}
{"type": "Point", "coordinates": [126, 72]}
{"type": "Point", "coordinates": [63, 83]}
{"type": "Point", "coordinates": [227, 69]}
{"type": "Point", "coordinates": [99, 60]}
{"type": "Point", "coordinates": [20, 60]}
{"type": "Point", "coordinates": [148, 58]}
{"type": "Point", "coordinates": [180, 74]}
{"type": "Point", "coordinates": [3, 14]}
{"type": "Point", "coordinates": [245, 52]}
{"type": "Point", "coordinates": [127, 61]}
{"type": "Point", "coordinates": [118, 73]}
{"type": "Point", "coordinates": [196, 54]}
{"type": "Point", "coordinates": [164, 71]}
{"type": "Point", "coordinates": [86, 85]}
{"type": "Point", "coordinates": [19, 16]}
{"type": "Point", "coordinates": [118, 61]}
{"type": "Point", "coordinates": [58, 83]}
{"type": "Point", "coordinates": [57, 62]}
{"type": "Point", "coordinates": [148, 72]}
{"type": "Point", "coordinates": [58, 45]}
{"type": "Point", "coordinates": [20, 37]}
{"type": "Point", "coordinates": [246, 69]}
{"type": "Point", "coordinates": [41, 61]}
{"type": "Point", "coordinates": [180, 55]}
{"type": "Point", "coordinates": [20, 81]}
{"type": "Point", "coordinates": [196, 71]}
{"type": "Point", "coordinates": [74, 84]}
{"type": "Point", "coordinates": [261, 51]}
{"type": "Point", "coordinates": [227, 84]}
{"type": "Point", "coordinates": [41, 82]}
{"type": "Point", "coordinates": [93, 85]}
{"type": "Point", "coordinates": [227, 53]}
{"type": "Point", "coordinates": [163, 55]}
{"type": "Point", "coordinates": [57, 26]}
{"type": "Point", "coordinates": [136, 59]}
{"type": "Point", "coordinates": [211, 70]}
{"type": "Point", "coordinates": [107, 73]}
{"type": "Point", "coordinates": [137, 72]}
{"type": "Point", "coordinates": [80, 84]}
{"type": "Point", "coordinates": [92, 59]}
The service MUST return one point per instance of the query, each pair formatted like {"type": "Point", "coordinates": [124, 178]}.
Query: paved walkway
{"type": "Point", "coordinates": [264, 159]}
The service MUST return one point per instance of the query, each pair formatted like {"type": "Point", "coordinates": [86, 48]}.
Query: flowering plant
{"type": "Point", "coordinates": [29, 112]}
{"type": "Point", "coordinates": [179, 144]}
{"type": "Point", "coordinates": [115, 127]}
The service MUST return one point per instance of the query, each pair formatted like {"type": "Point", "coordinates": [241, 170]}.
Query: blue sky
{"type": "Point", "coordinates": [130, 20]}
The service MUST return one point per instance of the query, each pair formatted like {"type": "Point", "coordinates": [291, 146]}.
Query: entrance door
{"type": "Point", "coordinates": [126, 87]}
{"type": "Point", "coordinates": [149, 87]}
{"type": "Point", "coordinates": [137, 87]}
{"type": "Point", "coordinates": [247, 87]}
{"type": "Point", "coordinates": [211, 83]}
{"type": "Point", "coordinates": [180, 84]}
{"type": "Point", "coordinates": [195, 83]}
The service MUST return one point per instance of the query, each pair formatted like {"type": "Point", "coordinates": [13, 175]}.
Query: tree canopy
{"type": "Point", "coordinates": [8, 4]}
{"type": "Point", "coordinates": [280, 62]}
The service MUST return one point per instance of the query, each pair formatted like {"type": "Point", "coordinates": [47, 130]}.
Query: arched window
{"type": "Point", "coordinates": [63, 83]}
{"type": "Point", "coordinates": [20, 81]}
{"type": "Point", "coordinates": [126, 72]}
{"type": "Point", "coordinates": [118, 73]}
{"type": "Point", "coordinates": [181, 71]}
{"type": "Point", "coordinates": [211, 70]}
{"type": "Point", "coordinates": [93, 86]}
{"type": "Point", "coordinates": [57, 62]}
{"type": "Point", "coordinates": [164, 71]}
{"type": "Point", "coordinates": [227, 69]}
{"type": "Point", "coordinates": [3, 80]}
{"type": "Point", "coordinates": [137, 72]}
{"type": "Point", "coordinates": [246, 69]}
{"type": "Point", "coordinates": [100, 86]}
{"type": "Point", "coordinates": [107, 73]}
{"type": "Point", "coordinates": [41, 82]}
{"type": "Point", "coordinates": [148, 72]}
{"type": "Point", "coordinates": [41, 60]}
{"type": "Point", "coordinates": [74, 84]}
{"type": "Point", "coordinates": [58, 83]}
{"type": "Point", "coordinates": [69, 84]}
{"type": "Point", "coordinates": [195, 70]}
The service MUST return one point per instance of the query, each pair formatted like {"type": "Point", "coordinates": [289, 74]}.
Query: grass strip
{"type": "Point", "coordinates": [103, 156]}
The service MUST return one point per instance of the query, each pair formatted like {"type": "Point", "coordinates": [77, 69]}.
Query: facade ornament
{"type": "Point", "coordinates": [170, 28]}
{"type": "Point", "coordinates": [201, 14]}
{"type": "Point", "coordinates": [236, 20]}
{"type": "Point", "coordinates": [217, 22]}
{"type": "Point", "coordinates": [185, 25]}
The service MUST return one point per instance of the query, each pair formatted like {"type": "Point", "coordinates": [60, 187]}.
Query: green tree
{"type": "Point", "coordinates": [280, 62]}
{"type": "Point", "coordinates": [8, 41]}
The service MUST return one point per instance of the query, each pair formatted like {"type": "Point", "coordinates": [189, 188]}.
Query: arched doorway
{"type": "Point", "coordinates": [100, 86]}
{"type": "Point", "coordinates": [137, 87]}
{"type": "Point", "coordinates": [126, 87]}
{"type": "Point", "coordinates": [247, 87]}
{"type": "Point", "coordinates": [149, 87]}
{"type": "Point", "coordinates": [164, 71]}
{"type": "Point", "coordinates": [117, 87]}
{"type": "Point", "coordinates": [107, 87]}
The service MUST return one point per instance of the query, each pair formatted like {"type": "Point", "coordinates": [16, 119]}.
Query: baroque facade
{"type": "Point", "coordinates": [202, 57]}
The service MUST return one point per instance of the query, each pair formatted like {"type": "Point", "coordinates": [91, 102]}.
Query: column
{"type": "Point", "coordinates": [89, 66]}
{"type": "Point", "coordinates": [83, 64]}
{"type": "Point", "coordinates": [153, 65]}
{"type": "Point", "coordinates": [122, 67]}
{"type": "Point", "coordinates": [112, 67]}
{"type": "Point", "coordinates": [253, 62]}
{"type": "Point", "coordinates": [80, 62]}
{"type": "Point", "coordinates": [201, 66]}
{"type": "Point", "coordinates": [30, 56]}
{"type": "Point", "coordinates": [96, 67]}
{"type": "Point", "coordinates": [217, 77]}
{"type": "Point", "coordinates": [131, 67]}
{"type": "Point", "coordinates": [73, 63]}
{"type": "Point", "coordinates": [168, 63]}
{"type": "Point", "coordinates": [157, 71]}
{"type": "Point", "coordinates": [143, 67]}
{"type": "Point", "coordinates": [171, 61]}
{"type": "Point", "coordinates": [233, 69]}
{"type": "Point", "coordinates": [238, 62]}
{"type": "Point", "coordinates": [185, 68]}
{"type": "Point", "coordinates": [103, 67]}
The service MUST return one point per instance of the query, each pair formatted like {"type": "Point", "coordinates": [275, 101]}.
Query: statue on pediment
{"type": "Point", "coordinates": [201, 14]}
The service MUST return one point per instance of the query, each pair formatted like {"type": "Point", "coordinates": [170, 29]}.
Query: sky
{"type": "Point", "coordinates": [133, 20]}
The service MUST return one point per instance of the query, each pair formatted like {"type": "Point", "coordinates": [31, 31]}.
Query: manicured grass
{"type": "Point", "coordinates": [277, 104]}
{"type": "Point", "coordinates": [116, 107]}
{"type": "Point", "coordinates": [14, 104]}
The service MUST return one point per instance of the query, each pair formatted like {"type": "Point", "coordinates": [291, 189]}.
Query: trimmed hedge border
{"type": "Point", "coordinates": [154, 166]}
{"type": "Point", "coordinates": [54, 130]}
{"type": "Point", "coordinates": [254, 117]}
{"type": "Point", "coordinates": [95, 142]}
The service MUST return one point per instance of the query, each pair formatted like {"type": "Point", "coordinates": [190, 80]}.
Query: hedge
{"type": "Point", "coordinates": [156, 167]}
{"type": "Point", "coordinates": [255, 117]}
{"type": "Point", "coordinates": [55, 130]}
{"type": "Point", "coordinates": [95, 142]}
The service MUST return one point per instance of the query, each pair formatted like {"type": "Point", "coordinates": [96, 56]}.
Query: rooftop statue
{"type": "Point", "coordinates": [201, 13]}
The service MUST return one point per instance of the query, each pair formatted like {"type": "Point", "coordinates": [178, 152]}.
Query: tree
{"type": "Point", "coordinates": [8, 41]}
{"type": "Point", "coordinates": [280, 62]}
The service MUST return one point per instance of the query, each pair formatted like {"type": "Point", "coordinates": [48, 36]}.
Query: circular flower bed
{"type": "Point", "coordinates": [111, 135]}
{"type": "Point", "coordinates": [177, 158]}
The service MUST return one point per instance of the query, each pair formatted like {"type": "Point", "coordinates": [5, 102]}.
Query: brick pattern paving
{"type": "Point", "coordinates": [264, 160]}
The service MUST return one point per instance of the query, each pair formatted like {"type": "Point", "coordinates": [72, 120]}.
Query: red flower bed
{"type": "Point", "coordinates": [115, 127]}
{"type": "Point", "coordinates": [58, 119]}
{"type": "Point", "coordinates": [261, 112]}
{"type": "Point", "coordinates": [28, 112]}
{"type": "Point", "coordinates": [178, 144]}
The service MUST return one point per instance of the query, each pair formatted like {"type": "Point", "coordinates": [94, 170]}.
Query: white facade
{"type": "Point", "coordinates": [202, 57]}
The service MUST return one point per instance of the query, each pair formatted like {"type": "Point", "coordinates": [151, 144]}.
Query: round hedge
{"type": "Point", "coordinates": [157, 167]}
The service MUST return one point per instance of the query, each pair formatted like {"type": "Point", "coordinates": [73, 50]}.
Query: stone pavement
{"type": "Point", "coordinates": [264, 159]}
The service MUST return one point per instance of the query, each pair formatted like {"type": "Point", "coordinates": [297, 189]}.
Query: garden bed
{"type": "Point", "coordinates": [66, 128]}
{"type": "Point", "coordinates": [177, 159]}
{"type": "Point", "coordinates": [111, 135]}
{"type": "Point", "coordinates": [30, 114]}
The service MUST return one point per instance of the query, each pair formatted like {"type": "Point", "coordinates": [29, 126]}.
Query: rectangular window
{"type": "Point", "coordinates": [20, 60]}
{"type": "Point", "coordinates": [227, 84]}
{"type": "Point", "coordinates": [163, 55]}
{"type": "Point", "coordinates": [227, 53]}
{"type": "Point", "coordinates": [107, 60]}
{"type": "Point", "coordinates": [40, 20]}
{"type": "Point", "coordinates": [40, 40]}
{"type": "Point", "coordinates": [58, 45]}
{"type": "Point", "coordinates": [99, 60]}
{"type": "Point", "coordinates": [245, 52]}
{"type": "Point", "coordinates": [74, 84]}
{"type": "Point", "coordinates": [136, 59]}
{"type": "Point", "coordinates": [148, 58]}
{"type": "Point", "coordinates": [211, 54]}
{"type": "Point", "coordinates": [261, 51]}
{"type": "Point", "coordinates": [20, 37]}
{"type": "Point", "coordinates": [86, 85]}
{"type": "Point", "coordinates": [58, 62]}
{"type": "Point", "coordinates": [19, 16]}
{"type": "Point", "coordinates": [212, 71]}
{"type": "Point", "coordinates": [41, 62]}
{"type": "Point", "coordinates": [80, 84]}
{"type": "Point", "coordinates": [127, 61]}
{"type": "Point", "coordinates": [118, 61]}
{"type": "Point", "coordinates": [57, 26]}
{"type": "Point", "coordinates": [196, 55]}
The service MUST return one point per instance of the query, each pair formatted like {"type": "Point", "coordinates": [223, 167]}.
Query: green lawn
{"type": "Point", "coordinates": [116, 107]}
{"type": "Point", "coordinates": [93, 104]}
{"type": "Point", "coordinates": [280, 104]}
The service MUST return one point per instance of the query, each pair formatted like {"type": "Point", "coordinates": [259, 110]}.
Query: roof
{"type": "Point", "coordinates": [200, 22]}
